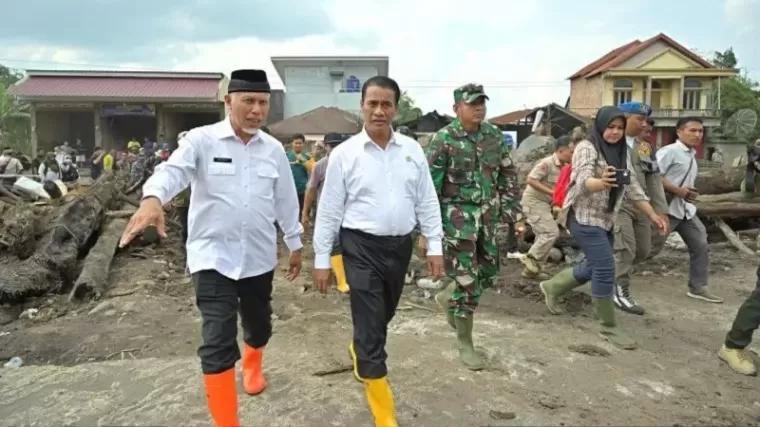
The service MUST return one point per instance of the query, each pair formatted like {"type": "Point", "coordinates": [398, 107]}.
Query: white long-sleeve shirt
{"type": "Point", "coordinates": [238, 191]}
{"type": "Point", "coordinates": [381, 192]}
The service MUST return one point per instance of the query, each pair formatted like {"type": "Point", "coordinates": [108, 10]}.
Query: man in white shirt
{"type": "Point", "coordinates": [241, 184]}
{"type": "Point", "coordinates": [377, 188]}
{"type": "Point", "coordinates": [678, 165]}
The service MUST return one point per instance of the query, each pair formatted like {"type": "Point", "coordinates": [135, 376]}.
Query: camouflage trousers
{"type": "Point", "coordinates": [473, 266]}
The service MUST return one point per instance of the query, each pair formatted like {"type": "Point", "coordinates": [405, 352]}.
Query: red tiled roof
{"type": "Point", "coordinates": [509, 118]}
{"type": "Point", "coordinates": [606, 58]}
{"type": "Point", "coordinates": [180, 88]}
{"type": "Point", "coordinates": [623, 53]}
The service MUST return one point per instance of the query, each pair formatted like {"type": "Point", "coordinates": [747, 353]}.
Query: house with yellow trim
{"type": "Point", "coordinates": [674, 80]}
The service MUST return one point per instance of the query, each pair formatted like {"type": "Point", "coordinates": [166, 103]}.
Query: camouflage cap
{"type": "Point", "coordinates": [469, 93]}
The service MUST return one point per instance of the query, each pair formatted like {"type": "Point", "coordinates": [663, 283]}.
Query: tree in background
{"type": "Point", "coordinates": [14, 116]}
{"type": "Point", "coordinates": [407, 111]}
{"type": "Point", "coordinates": [738, 92]}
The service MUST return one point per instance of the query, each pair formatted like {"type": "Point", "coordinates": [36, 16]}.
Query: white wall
{"type": "Point", "coordinates": [310, 87]}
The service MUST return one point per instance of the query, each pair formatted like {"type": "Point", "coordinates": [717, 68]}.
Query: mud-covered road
{"type": "Point", "coordinates": [132, 360]}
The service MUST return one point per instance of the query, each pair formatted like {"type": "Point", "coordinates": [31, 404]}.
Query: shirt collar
{"type": "Point", "coordinates": [365, 137]}
{"type": "Point", "coordinates": [556, 160]}
{"type": "Point", "coordinates": [456, 126]}
{"type": "Point", "coordinates": [684, 147]}
{"type": "Point", "coordinates": [224, 130]}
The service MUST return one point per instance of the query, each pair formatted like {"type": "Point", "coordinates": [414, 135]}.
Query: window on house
{"type": "Point", "coordinates": [692, 94]}
{"type": "Point", "coordinates": [622, 91]}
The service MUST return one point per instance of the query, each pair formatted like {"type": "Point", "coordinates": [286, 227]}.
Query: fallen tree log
{"type": "Point", "coordinates": [719, 180]}
{"type": "Point", "coordinates": [732, 238]}
{"type": "Point", "coordinates": [731, 205]}
{"type": "Point", "coordinates": [92, 281]}
{"type": "Point", "coordinates": [19, 228]}
{"type": "Point", "coordinates": [55, 261]}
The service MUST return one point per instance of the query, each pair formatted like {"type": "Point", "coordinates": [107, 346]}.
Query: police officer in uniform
{"type": "Point", "coordinates": [633, 232]}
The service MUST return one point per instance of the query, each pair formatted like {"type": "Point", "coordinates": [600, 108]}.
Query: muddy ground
{"type": "Point", "coordinates": [130, 360]}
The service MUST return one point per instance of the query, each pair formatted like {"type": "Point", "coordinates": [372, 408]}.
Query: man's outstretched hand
{"type": "Point", "coordinates": [148, 214]}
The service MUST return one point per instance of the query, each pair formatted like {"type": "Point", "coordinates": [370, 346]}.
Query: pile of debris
{"type": "Point", "coordinates": [60, 245]}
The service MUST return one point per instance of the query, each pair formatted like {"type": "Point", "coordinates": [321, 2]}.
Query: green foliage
{"type": "Point", "coordinates": [738, 92]}
{"type": "Point", "coordinates": [407, 111]}
{"type": "Point", "coordinates": [14, 116]}
{"type": "Point", "coordinates": [725, 59]}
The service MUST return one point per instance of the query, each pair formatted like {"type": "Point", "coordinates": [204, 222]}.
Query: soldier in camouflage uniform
{"type": "Point", "coordinates": [478, 188]}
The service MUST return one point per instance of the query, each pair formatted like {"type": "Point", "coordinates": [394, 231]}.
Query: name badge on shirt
{"type": "Point", "coordinates": [221, 166]}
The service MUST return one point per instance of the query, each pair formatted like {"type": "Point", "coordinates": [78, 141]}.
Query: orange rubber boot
{"type": "Point", "coordinates": [221, 395]}
{"type": "Point", "coordinates": [253, 376]}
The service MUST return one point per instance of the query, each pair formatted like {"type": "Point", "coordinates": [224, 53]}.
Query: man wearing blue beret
{"type": "Point", "coordinates": [633, 233]}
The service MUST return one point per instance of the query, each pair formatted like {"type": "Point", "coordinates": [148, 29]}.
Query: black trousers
{"type": "Point", "coordinates": [747, 320]}
{"type": "Point", "coordinates": [219, 300]}
{"type": "Point", "coordinates": [301, 197]}
{"type": "Point", "coordinates": [375, 268]}
{"type": "Point", "coordinates": [183, 211]}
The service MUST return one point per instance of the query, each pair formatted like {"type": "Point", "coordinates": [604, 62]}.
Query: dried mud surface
{"type": "Point", "coordinates": [130, 359]}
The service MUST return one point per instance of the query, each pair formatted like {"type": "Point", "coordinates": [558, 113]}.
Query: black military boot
{"type": "Point", "coordinates": [624, 301]}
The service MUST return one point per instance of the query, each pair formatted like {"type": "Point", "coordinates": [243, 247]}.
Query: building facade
{"type": "Point", "coordinates": [313, 82]}
{"type": "Point", "coordinates": [107, 108]}
{"type": "Point", "coordinates": [674, 80]}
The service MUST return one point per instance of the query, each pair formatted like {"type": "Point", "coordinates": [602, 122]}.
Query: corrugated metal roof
{"type": "Point", "coordinates": [510, 118]}
{"type": "Point", "coordinates": [179, 88]}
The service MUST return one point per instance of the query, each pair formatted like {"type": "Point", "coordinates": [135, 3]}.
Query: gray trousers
{"type": "Point", "coordinates": [694, 235]}
{"type": "Point", "coordinates": [633, 242]}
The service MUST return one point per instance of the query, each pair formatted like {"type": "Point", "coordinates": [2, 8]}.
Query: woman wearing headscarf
{"type": "Point", "coordinates": [601, 177]}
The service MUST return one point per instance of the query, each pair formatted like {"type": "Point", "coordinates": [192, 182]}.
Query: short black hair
{"type": "Point", "coordinates": [650, 121]}
{"type": "Point", "coordinates": [686, 120]}
{"type": "Point", "coordinates": [383, 82]}
{"type": "Point", "coordinates": [297, 136]}
{"type": "Point", "coordinates": [563, 141]}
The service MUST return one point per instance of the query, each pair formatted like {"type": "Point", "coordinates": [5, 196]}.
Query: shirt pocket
{"type": "Point", "coordinates": [264, 179]}
{"type": "Point", "coordinates": [222, 178]}
{"type": "Point", "coordinates": [461, 169]}
{"type": "Point", "coordinates": [410, 176]}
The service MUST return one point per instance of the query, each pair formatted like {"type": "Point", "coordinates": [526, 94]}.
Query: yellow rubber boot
{"type": "Point", "coordinates": [340, 273]}
{"type": "Point", "coordinates": [380, 400]}
{"type": "Point", "coordinates": [352, 353]}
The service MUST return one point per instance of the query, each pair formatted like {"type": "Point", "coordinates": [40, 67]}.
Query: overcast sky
{"type": "Point", "coordinates": [522, 51]}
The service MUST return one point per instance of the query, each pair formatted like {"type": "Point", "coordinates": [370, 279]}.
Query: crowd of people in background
{"type": "Point", "coordinates": [66, 161]}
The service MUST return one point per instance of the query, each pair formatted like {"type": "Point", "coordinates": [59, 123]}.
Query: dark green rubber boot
{"type": "Point", "coordinates": [467, 353]}
{"type": "Point", "coordinates": [561, 283]}
{"type": "Point", "coordinates": [609, 329]}
{"type": "Point", "coordinates": [442, 299]}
